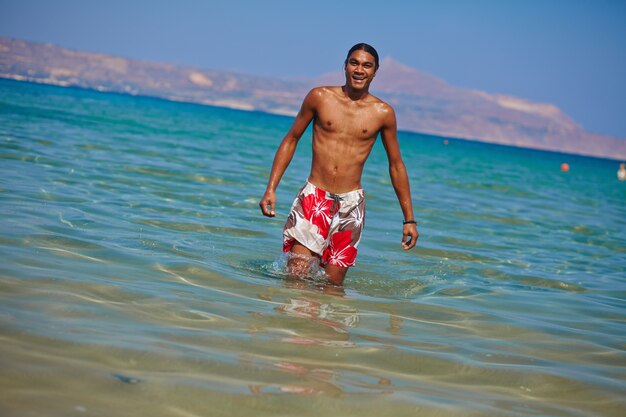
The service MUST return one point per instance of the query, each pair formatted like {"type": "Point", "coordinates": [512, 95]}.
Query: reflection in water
{"type": "Point", "coordinates": [315, 320]}
{"type": "Point", "coordinates": [395, 325]}
{"type": "Point", "coordinates": [310, 381]}
{"type": "Point", "coordinates": [318, 304]}
{"type": "Point", "coordinates": [335, 316]}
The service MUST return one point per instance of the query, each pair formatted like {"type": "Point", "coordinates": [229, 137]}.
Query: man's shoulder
{"type": "Point", "coordinates": [320, 97]}
{"type": "Point", "coordinates": [337, 91]}
{"type": "Point", "coordinates": [325, 90]}
{"type": "Point", "coordinates": [380, 105]}
{"type": "Point", "coordinates": [325, 95]}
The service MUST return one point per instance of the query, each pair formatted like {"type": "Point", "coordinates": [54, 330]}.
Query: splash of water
{"type": "Point", "coordinates": [314, 271]}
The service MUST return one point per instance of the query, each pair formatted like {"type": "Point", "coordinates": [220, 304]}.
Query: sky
{"type": "Point", "coordinates": [571, 53]}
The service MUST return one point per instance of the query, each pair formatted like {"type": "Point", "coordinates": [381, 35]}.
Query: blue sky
{"type": "Point", "coordinates": [571, 53]}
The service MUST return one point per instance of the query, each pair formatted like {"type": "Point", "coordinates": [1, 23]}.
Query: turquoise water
{"type": "Point", "coordinates": [138, 277]}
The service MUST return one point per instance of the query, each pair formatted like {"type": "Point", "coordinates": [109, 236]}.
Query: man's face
{"type": "Point", "coordinates": [360, 70]}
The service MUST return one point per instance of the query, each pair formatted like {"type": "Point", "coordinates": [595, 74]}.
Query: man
{"type": "Point", "coordinates": [326, 218]}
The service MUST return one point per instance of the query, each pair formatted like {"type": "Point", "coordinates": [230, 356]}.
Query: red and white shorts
{"type": "Point", "coordinates": [328, 224]}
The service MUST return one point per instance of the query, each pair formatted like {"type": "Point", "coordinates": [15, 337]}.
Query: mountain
{"type": "Point", "coordinates": [423, 103]}
{"type": "Point", "coordinates": [427, 104]}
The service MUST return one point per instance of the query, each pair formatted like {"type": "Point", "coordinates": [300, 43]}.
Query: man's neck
{"type": "Point", "coordinates": [354, 95]}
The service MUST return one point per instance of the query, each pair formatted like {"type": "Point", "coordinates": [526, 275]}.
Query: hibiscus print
{"type": "Point", "coordinates": [340, 252]}
{"type": "Point", "coordinates": [355, 218]}
{"type": "Point", "coordinates": [316, 209]}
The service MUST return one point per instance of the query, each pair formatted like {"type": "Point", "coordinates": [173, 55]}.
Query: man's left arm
{"type": "Point", "coordinates": [399, 177]}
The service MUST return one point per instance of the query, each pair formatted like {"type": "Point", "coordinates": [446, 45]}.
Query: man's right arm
{"type": "Point", "coordinates": [286, 150]}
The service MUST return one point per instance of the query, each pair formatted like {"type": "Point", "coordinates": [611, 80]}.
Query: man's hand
{"type": "Point", "coordinates": [409, 236]}
{"type": "Point", "coordinates": [267, 203]}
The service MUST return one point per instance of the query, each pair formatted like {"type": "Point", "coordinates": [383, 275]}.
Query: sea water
{"type": "Point", "coordinates": [138, 277]}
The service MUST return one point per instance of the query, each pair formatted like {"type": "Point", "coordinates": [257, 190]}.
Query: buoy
{"type": "Point", "coordinates": [445, 141]}
{"type": "Point", "coordinates": [621, 172]}
{"type": "Point", "coordinates": [564, 167]}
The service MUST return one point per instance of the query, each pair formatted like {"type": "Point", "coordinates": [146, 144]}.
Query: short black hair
{"type": "Point", "coordinates": [363, 47]}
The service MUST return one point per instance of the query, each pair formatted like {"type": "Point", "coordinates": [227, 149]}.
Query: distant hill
{"type": "Point", "coordinates": [423, 103]}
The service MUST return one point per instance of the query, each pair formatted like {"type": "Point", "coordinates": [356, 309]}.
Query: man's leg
{"type": "Point", "coordinates": [335, 274]}
{"type": "Point", "coordinates": [299, 266]}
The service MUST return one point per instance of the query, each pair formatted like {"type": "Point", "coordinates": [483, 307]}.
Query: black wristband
{"type": "Point", "coordinates": [409, 222]}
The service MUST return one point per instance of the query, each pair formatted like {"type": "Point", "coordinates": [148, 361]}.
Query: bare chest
{"type": "Point", "coordinates": [357, 123]}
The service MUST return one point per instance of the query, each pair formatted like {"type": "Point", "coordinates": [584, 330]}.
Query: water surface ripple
{"type": "Point", "coordinates": [137, 276]}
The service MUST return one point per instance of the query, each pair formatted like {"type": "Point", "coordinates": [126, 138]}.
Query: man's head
{"type": "Point", "coordinates": [360, 66]}
{"type": "Point", "coordinates": [363, 47]}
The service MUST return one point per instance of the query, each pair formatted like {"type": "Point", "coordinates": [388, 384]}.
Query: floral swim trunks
{"type": "Point", "coordinates": [328, 224]}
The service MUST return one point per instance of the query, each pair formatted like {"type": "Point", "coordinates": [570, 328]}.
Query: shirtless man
{"type": "Point", "coordinates": [326, 218]}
